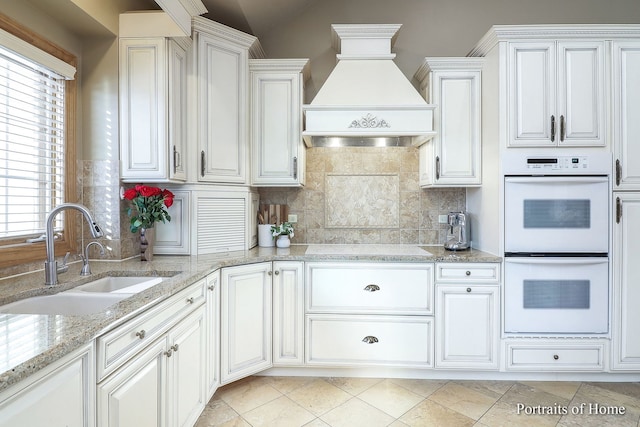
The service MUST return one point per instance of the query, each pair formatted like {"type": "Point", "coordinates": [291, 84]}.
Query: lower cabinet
{"type": "Point", "coordinates": [555, 355]}
{"type": "Point", "coordinates": [213, 333]}
{"type": "Point", "coordinates": [288, 313]}
{"type": "Point", "coordinates": [38, 400]}
{"type": "Point", "coordinates": [159, 382]}
{"type": "Point", "coordinates": [245, 321]}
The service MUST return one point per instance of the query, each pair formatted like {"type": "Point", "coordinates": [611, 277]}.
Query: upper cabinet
{"type": "Point", "coordinates": [153, 103]}
{"type": "Point", "coordinates": [626, 114]}
{"type": "Point", "coordinates": [452, 157]}
{"type": "Point", "coordinates": [222, 67]}
{"type": "Point", "coordinates": [277, 95]}
{"type": "Point", "coordinates": [556, 93]}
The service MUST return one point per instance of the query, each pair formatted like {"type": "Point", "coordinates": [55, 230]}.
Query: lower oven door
{"type": "Point", "coordinates": [556, 295]}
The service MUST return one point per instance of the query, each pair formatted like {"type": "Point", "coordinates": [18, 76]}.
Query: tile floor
{"type": "Point", "coordinates": [354, 402]}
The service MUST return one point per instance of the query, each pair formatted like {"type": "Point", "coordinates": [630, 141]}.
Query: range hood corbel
{"type": "Point", "coordinates": [367, 100]}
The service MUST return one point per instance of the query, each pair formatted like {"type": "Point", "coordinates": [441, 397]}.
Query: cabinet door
{"type": "Point", "coordinates": [186, 375]}
{"type": "Point", "coordinates": [467, 326]}
{"type": "Point", "coordinates": [213, 333]}
{"type": "Point", "coordinates": [288, 313]}
{"type": "Point", "coordinates": [626, 111]}
{"type": "Point", "coordinates": [143, 109]}
{"type": "Point", "coordinates": [135, 395]}
{"type": "Point", "coordinates": [60, 395]}
{"type": "Point", "coordinates": [626, 277]}
{"type": "Point", "coordinates": [174, 237]}
{"type": "Point", "coordinates": [532, 94]}
{"type": "Point", "coordinates": [177, 120]}
{"type": "Point", "coordinates": [581, 99]}
{"type": "Point", "coordinates": [223, 120]}
{"type": "Point", "coordinates": [276, 122]}
{"type": "Point", "coordinates": [245, 320]}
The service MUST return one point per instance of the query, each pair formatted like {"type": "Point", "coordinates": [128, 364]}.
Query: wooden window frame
{"type": "Point", "coordinates": [22, 253]}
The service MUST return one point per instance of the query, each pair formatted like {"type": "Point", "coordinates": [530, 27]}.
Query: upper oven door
{"type": "Point", "coordinates": [555, 214]}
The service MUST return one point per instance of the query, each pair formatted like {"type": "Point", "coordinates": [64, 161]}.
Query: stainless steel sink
{"type": "Point", "coordinates": [66, 303]}
{"type": "Point", "coordinates": [120, 285]}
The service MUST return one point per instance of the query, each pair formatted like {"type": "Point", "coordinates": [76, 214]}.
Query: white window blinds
{"type": "Point", "coordinates": [32, 144]}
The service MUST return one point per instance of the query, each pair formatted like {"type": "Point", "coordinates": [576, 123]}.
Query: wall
{"type": "Point", "coordinates": [365, 195]}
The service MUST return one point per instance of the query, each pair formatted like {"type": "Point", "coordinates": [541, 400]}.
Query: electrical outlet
{"type": "Point", "coordinates": [292, 218]}
{"type": "Point", "coordinates": [442, 219]}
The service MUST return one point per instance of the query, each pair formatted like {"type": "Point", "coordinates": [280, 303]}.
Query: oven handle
{"type": "Point", "coordinates": [556, 179]}
{"type": "Point", "coordinates": [550, 260]}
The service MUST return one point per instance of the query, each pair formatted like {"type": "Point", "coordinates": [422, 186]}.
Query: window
{"type": "Point", "coordinates": [37, 146]}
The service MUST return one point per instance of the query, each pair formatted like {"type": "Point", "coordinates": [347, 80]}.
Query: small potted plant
{"type": "Point", "coordinates": [283, 232]}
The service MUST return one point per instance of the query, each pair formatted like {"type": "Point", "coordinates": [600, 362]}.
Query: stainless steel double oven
{"type": "Point", "coordinates": [556, 245]}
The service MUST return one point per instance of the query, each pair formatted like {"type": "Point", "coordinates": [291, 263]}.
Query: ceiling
{"type": "Point", "coordinates": [256, 17]}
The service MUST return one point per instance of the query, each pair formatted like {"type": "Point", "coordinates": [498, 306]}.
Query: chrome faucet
{"type": "Point", "coordinates": [51, 268]}
{"type": "Point", "coordinates": [86, 270]}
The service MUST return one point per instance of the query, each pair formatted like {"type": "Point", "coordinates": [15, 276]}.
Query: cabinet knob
{"type": "Point", "coordinates": [468, 289]}
{"type": "Point", "coordinates": [371, 288]}
{"type": "Point", "coordinates": [174, 347]}
{"type": "Point", "coordinates": [269, 273]}
{"type": "Point", "coordinates": [556, 357]}
{"type": "Point", "coordinates": [276, 272]}
{"type": "Point", "coordinates": [370, 339]}
{"type": "Point", "coordinates": [212, 287]}
{"type": "Point", "coordinates": [468, 273]}
{"type": "Point", "coordinates": [140, 334]}
{"type": "Point", "coordinates": [190, 300]}
{"type": "Point", "coordinates": [168, 353]}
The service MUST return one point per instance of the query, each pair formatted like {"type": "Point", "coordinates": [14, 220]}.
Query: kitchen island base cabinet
{"type": "Point", "coordinates": [59, 395]}
{"type": "Point", "coordinates": [245, 321]}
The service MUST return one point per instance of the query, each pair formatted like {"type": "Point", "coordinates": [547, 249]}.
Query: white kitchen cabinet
{"type": "Point", "coordinates": [453, 157]}
{"type": "Point", "coordinates": [213, 333]}
{"type": "Point", "coordinates": [467, 333]}
{"type": "Point", "coordinates": [626, 110]}
{"type": "Point", "coordinates": [61, 394]}
{"type": "Point", "coordinates": [277, 95]}
{"type": "Point", "coordinates": [556, 93]}
{"type": "Point", "coordinates": [626, 277]}
{"type": "Point", "coordinates": [222, 67]}
{"type": "Point", "coordinates": [153, 105]}
{"type": "Point", "coordinates": [537, 355]}
{"type": "Point", "coordinates": [245, 320]}
{"type": "Point", "coordinates": [288, 313]}
{"type": "Point", "coordinates": [151, 370]}
{"type": "Point", "coordinates": [174, 237]}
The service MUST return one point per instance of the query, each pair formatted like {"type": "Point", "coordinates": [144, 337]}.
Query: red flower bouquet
{"type": "Point", "coordinates": [150, 204]}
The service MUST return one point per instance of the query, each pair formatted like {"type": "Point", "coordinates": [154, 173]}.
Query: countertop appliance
{"type": "Point", "coordinates": [556, 242]}
{"type": "Point", "coordinates": [458, 237]}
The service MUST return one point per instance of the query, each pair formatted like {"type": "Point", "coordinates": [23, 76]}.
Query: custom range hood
{"type": "Point", "coordinates": [367, 100]}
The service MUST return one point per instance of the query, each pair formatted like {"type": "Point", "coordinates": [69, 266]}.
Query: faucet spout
{"type": "Point", "coordinates": [51, 268]}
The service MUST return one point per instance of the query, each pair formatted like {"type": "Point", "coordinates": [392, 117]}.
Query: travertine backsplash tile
{"type": "Point", "coordinates": [366, 195]}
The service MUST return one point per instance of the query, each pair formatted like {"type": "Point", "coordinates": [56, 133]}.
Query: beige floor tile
{"type": "Point", "coordinates": [319, 396]}
{"type": "Point", "coordinates": [215, 413]}
{"type": "Point", "coordinates": [398, 423]}
{"type": "Point", "coordinates": [432, 414]}
{"type": "Point", "coordinates": [490, 388]}
{"type": "Point", "coordinates": [236, 422]}
{"type": "Point", "coordinates": [520, 393]}
{"type": "Point", "coordinates": [281, 412]}
{"type": "Point", "coordinates": [317, 423]}
{"type": "Point", "coordinates": [630, 389]}
{"type": "Point", "coordinates": [356, 413]}
{"type": "Point", "coordinates": [287, 384]}
{"type": "Point", "coordinates": [595, 406]}
{"type": "Point", "coordinates": [564, 389]}
{"type": "Point", "coordinates": [464, 400]}
{"type": "Point", "coordinates": [244, 396]}
{"type": "Point", "coordinates": [422, 387]}
{"type": "Point", "coordinates": [504, 414]}
{"type": "Point", "coordinates": [353, 386]}
{"type": "Point", "coordinates": [391, 398]}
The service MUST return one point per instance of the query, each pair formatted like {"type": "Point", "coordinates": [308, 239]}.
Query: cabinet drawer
{"type": "Point", "coordinates": [369, 288]}
{"type": "Point", "coordinates": [472, 272]}
{"type": "Point", "coordinates": [118, 345]}
{"type": "Point", "coordinates": [556, 357]}
{"type": "Point", "coordinates": [369, 340]}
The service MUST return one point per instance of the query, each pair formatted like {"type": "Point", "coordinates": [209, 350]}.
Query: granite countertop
{"type": "Point", "coordinates": [44, 339]}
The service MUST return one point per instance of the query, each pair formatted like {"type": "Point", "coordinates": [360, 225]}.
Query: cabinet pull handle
{"type": "Point", "coordinates": [468, 289]}
{"type": "Point", "coordinates": [371, 288]}
{"type": "Point", "coordinates": [618, 172]}
{"type": "Point", "coordinates": [618, 210]}
{"type": "Point", "coordinates": [140, 334]}
{"type": "Point", "coordinates": [174, 347]}
{"type": "Point", "coordinates": [370, 339]}
{"type": "Point", "coordinates": [556, 357]}
{"type": "Point", "coordinates": [176, 159]}
{"type": "Point", "coordinates": [295, 168]}
{"type": "Point", "coordinates": [437, 167]}
{"type": "Point", "coordinates": [202, 163]}
{"type": "Point", "coordinates": [168, 352]}
{"type": "Point", "coordinates": [553, 128]}
{"type": "Point", "coordinates": [562, 128]}
{"type": "Point", "coordinates": [190, 300]}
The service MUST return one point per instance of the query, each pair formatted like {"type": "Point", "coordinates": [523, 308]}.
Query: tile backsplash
{"type": "Point", "coordinates": [366, 195]}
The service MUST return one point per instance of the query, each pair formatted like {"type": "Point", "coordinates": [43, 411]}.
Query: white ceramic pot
{"type": "Point", "coordinates": [283, 241]}
{"type": "Point", "coordinates": [265, 238]}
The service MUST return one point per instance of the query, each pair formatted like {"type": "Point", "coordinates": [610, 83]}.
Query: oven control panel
{"type": "Point", "coordinates": [558, 163]}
